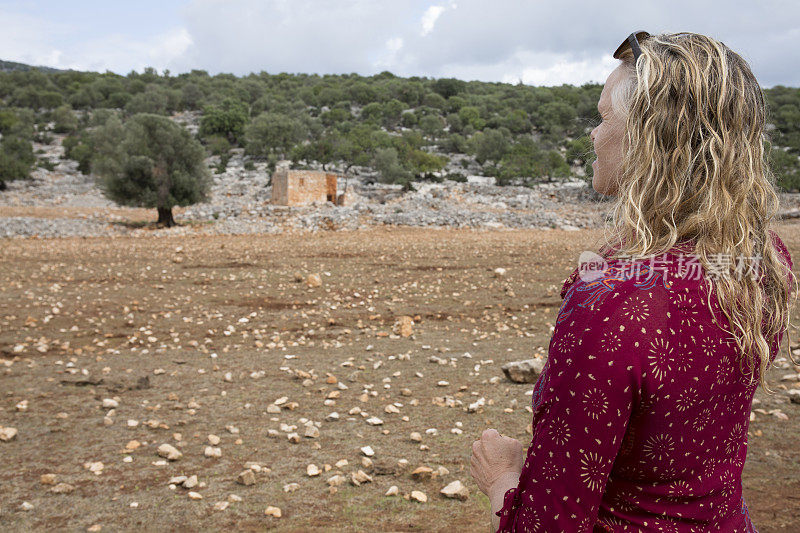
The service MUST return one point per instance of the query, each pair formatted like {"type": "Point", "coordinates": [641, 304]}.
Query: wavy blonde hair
{"type": "Point", "coordinates": [695, 168]}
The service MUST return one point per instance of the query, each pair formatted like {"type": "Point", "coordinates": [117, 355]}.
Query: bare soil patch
{"type": "Point", "coordinates": [198, 335]}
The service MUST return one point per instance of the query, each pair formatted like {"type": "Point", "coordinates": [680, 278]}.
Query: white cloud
{"type": "Point", "coordinates": [25, 39]}
{"type": "Point", "coordinates": [38, 41]}
{"type": "Point", "coordinates": [557, 70]}
{"type": "Point", "coordinates": [395, 44]}
{"type": "Point", "coordinates": [429, 19]}
{"type": "Point", "coordinates": [538, 42]}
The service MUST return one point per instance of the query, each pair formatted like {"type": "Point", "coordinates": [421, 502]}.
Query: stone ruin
{"type": "Point", "coordinates": [304, 187]}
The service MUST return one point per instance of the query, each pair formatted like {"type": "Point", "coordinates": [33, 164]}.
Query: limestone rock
{"type": "Point", "coordinates": [476, 405]}
{"type": "Point", "coordinates": [422, 473]}
{"type": "Point", "coordinates": [336, 480]}
{"type": "Point", "coordinates": [7, 433]}
{"type": "Point", "coordinates": [169, 452]}
{"type": "Point", "coordinates": [246, 478]}
{"type": "Point", "coordinates": [273, 511]}
{"type": "Point", "coordinates": [456, 490]}
{"type": "Point", "coordinates": [62, 488]}
{"type": "Point", "coordinates": [357, 478]}
{"type": "Point", "coordinates": [403, 326]}
{"type": "Point", "coordinates": [419, 496]}
{"type": "Point", "coordinates": [794, 395]}
{"type": "Point", "coordinates": [526, 371]}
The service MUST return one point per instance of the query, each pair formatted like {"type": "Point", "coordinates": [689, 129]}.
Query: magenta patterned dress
{"type": "Point", "coordinates": [640, 415]}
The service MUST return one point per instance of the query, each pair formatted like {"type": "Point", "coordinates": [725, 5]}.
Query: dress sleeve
{"type": "Point", "coordinates": [584, 398]}
{"type": "Point", "coordinates": [787, 259]}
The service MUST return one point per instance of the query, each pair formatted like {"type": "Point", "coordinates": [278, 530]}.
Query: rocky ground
{"type": "Point", "coordinates": [328, 381]}
{"type": "Point", "coordinates": [66, 203]}
{"type": "Point", "coordinates": [240, 204]}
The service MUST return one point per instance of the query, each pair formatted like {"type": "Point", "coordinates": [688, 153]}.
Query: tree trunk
{"type": "Point", "coordinates": [165, 217]}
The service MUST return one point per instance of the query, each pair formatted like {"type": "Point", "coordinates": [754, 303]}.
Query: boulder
{"type": "Point", "coordinates": [526, 371]}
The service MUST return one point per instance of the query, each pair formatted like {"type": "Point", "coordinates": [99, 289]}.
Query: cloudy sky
{"type": "Point", "coordinates": [534, 41]}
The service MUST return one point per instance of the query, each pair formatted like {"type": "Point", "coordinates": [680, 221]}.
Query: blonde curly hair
{"type": "Point", "coordinates": [695, 169]}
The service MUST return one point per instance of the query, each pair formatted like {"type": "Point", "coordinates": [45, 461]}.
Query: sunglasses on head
{"type": "Point", "coordinates": [632, 42]}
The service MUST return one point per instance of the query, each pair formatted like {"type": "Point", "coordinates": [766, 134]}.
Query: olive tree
{"type": "Point", "coordinates": [150, 161]}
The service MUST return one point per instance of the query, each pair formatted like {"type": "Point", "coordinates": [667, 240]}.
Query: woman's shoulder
{"type": "Point", "coordinates": [781, 247]}
{"type": "Point", "coordinates": [616, 284]}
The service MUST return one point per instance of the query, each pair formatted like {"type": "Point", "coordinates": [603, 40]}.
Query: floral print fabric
{"type": "Point", "coordinates": [640, 415]}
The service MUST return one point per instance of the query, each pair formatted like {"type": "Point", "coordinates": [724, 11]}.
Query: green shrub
{"type": "Point", "coordinates": [16, 158]}
{"type": "Point", "coordinates": [217, 145]}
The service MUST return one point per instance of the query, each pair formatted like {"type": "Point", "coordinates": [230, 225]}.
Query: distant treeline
{"type": "Point", "coordinates": [404, 128]}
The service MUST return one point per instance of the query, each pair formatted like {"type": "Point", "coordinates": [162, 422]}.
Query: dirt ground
{"type": "Point", "coordinates": [197, 336]}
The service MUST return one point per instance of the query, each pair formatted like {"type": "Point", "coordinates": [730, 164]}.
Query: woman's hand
{"type": "Point", "coordinates": [495, 457]}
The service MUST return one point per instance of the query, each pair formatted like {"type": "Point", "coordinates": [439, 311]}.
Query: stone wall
{"type": "Point", "coordinates": [303, 187]}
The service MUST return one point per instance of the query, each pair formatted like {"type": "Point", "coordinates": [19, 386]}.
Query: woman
{"type": "Point", "coordinates": [641, 412]}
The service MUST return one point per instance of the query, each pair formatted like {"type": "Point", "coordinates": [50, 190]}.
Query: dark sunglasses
{"type": "Point", "coordinates": [632, 42]}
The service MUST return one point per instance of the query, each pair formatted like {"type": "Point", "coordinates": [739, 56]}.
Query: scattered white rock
{"type": "Point", "coordinates": [357, 478]}
{"type": "Point", "coordinates": [7, 433]}
{"type": "Point", "coordinates": [221, 506]}
{"type": "Point", "coordinates": [246, 478]}
{"type": "Point", "coordinates": [169, 452]}
{"type": "Point", "coordinates": [212, 451]}
{"type": "Point", "coordinates": [474, 406]}
{"type": "Point", "coordinates": [336, 480]}
{"type": "Point", "coordinates": [456, 490]}
{"type": "Point", "coordinates": [419, 496]}
{"type": "Point", "coordinates": [526, 371]}
{"type": "Point", "coordinates": [273, 511]}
